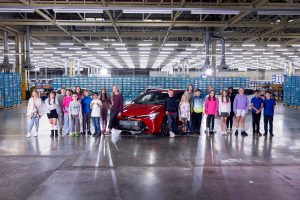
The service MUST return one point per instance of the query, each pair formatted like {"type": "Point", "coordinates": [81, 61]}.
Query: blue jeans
{"type": "Point", "coordinates": [67, 124]}
{"type": "Point", "coordinates": [36, 121]}
{"type": "Point", "coordinates": [172, 122]}
{"type": "Point", "coordinates": [96, 124]}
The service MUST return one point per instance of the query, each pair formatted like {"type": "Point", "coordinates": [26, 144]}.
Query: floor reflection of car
{"type": "Point", "coordinates": [146, 114]}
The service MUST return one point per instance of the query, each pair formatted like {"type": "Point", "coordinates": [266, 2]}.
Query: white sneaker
{"type": "Point", "coordinates": [172, 135]}
{"type": "Point", "coordinates": [28, 135]}
{"type": "Point", "coordinates": [35, 134]}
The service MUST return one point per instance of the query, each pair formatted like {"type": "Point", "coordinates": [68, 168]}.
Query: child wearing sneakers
{"type": "Point", "coordinates": [197, 111]}
{"type": "Point", "coordinates": [96, 109]}
{"type": "Point", "coordinates": [269, 107]}
{"type": "Point", "coordinates": [184, 112]}
{"type": "Point", "coordinates": [75, 114]}
{"type": "Point", "coordinates": [224, 110]}
{"type": "Point", "coordinates": [240, 107]}
{"type": "Point", "coordinates": [51, 106]}
{"type": "Point", "coordinates": [34, 112]}
{"type": "Point", "coordinates": [257, 106]}
{"type": "Point", "coordinates": [65, 108]}
{"type": "Point", "coordinates": [171, 107]}
{"type": "Point", "coordinates": [211, 110]}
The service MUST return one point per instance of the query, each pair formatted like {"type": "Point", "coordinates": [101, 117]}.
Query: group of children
{"type": "Point", "coordinates": [193, 106]}
{"type": "Point", "coordinates": [71, 113]}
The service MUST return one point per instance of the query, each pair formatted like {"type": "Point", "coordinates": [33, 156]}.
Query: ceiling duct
{"type": "Point", "coordinates": [207, 38]}
{"type": "Point", "coordinates": [27, 65]}
{"type": "Point", "coordinates": [5, 65]}
{"type": "Point", "coordinates": [222, 65]}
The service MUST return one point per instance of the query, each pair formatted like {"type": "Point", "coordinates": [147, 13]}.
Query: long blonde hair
{"type": "Point", "coordinates": [184, 99]}
{"type": "Point", "coordinates": [112, 92]}
{"type": "Point", "coordinates": [35, 91]}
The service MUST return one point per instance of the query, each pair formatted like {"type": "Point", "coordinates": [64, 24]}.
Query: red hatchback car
{"type": "Point", "coordinates": [146, 114]}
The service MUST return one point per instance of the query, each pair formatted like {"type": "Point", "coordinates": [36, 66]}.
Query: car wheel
{"type": "Point", "coordinates": [164, 130]}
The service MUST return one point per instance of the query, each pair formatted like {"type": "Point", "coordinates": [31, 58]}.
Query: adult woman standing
{"type": "Point", "coordinates": [106, 103]}
{"type": "Point", "coordinates": [117, 107]}
{"type": "Point", "coordinates": [79, 94]}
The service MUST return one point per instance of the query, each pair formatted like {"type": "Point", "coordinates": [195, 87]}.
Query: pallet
{"type": "Point", "coordinates": [291, 106]}
{"type": "Point", "coordinates": [11, 107]}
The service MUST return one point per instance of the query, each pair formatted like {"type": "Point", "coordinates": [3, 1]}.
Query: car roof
{"type": "Point", "coordinates": [166, 90]}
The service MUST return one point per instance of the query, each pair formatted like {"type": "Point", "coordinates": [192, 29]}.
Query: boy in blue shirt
{"type": "Point", "coordinates": [86, 112]}
{"type": "Point", "coordinates": [269, 107]}
{"type": "Point", "coordinates": [257, 105]}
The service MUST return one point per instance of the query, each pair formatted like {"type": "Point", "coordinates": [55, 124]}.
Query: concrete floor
{"type": "Point", "coordinates": [128, 167]}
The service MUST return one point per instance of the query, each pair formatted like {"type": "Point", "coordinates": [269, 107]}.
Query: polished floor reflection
{"type": "Point", "coordinates": [143, 167]}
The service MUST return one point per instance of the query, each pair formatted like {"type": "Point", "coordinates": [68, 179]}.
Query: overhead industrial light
{"type": "Point", "coordinates": [97, 48]}
{"type": "Point", "coordinates": [279, 12]}
{"type": "Point", "coordinates": [281, 49]}
{"type": "Point", "coordinates": [197, 45]}
{"type": "Point", "coordinates": [118, 44]}
{"type": "Point", "coordinates": [75, 48]}
{"type": "Point", "coordinates": [92, 44]}
{"type": "Point", "coordinates": [89, 19]}
{"type": "Point", "coordinates": [39, 43]}
{"type": "Point", "coordinates": [144, 44]}
{"type": "Point", "coordinates": [109, 40]}
{"type": "Point", "coordinates": [16, 10]}
{"type": "Point", "coordinates": [141, 11]}
{"type": "Point", "coordinates": [167, 49]}
{"type": "Point", "coordinates": [236, 49]}
{"type": "Point", "coordinates": [248, 45]}
{"type": "Point", "coordinates": [66, 43]}
{"type": "Point", "coordinates": [214, 12]}
{"type": "Point", "coordinates": [295, 45]}
{"type": "Point", "coordinates": [273, 45]}
{"type": "Point", "coordinates": [170, 44]}
{"type": "Point", "coordinates": [50, 48]}
{"type": "Point", "coordinates": [259, 49]}
{"type": "Point", "coordinates": [78, 10]}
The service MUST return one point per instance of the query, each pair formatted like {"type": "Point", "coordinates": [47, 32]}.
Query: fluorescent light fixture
{"type": "Point", "coordinates": [170, 45]}
{"type": "Point", "coordinates": [191, 49]}
{"type": "Point", "coordinates": [259, 49]}
{"type": "Point", "coordinates": [165, 52]}
{"type": "Point", "coordinates": [236, 49]}
{"type": "Point", "coordinates": [152, 20]}
{"type": "Point", "coordinates": [167, 49]}
{"type": "Point", "coordinates": [281, 49]}
{"type": "Point", "coordinates": [214, 11]}
{"type": "Point", "coordinates": [144, 49]}
{"type": "Point", "coordinates": [81, 52]}
{"type": "Point", "coordinates": [208, 72]}
{"type": "Point", "coordinates": [293, 56]}
{"type": "Point", "coordinates": [248, 45]}
{"type": "Point", "coordinates": [197, 45]}
{"type": "Point", "coordinates": [78, 10]}
{"type": "Point", "coordinates": [66, 43]}
{"type": "Point", "coordinates": [273, 45]}
{"type": "Point", "coordinates": [295, 45]}
{"type": "Point", "coordinates": [97, 48]}
{"type": "Point", "coordinates": [121, 48]}
{"type": "Point", "coordinates": [278, 12]}
{"type": "Point", "coordinates": [39, 43]}
{"type": "Point", "coordinates": [287, 53]}
{"type": "Point", "coordinates": [274, 56]}
{"type": "Point", "coordinates": [88, 19]}
{"type": "Point", "coordinates": [145, 44]}
{"type": "Point", "coordinates": [92, 44]}
{"type": "Point", "coordinates": [152, 11]}
{"type": "Point", "coordinates": [109, 40]}
{"type": "Point", "coordinates": [50, 48]}
{"type": "Point", "coordinates": [75, 48]}
{"type": "Point", "coordinates": [16, 10]}
{"type": "Point", "coordinates": [247, 53]}
{"type": "Point", "coordinates": [118, 44]}
{"type": "Point", "coordinates": [144, 52]}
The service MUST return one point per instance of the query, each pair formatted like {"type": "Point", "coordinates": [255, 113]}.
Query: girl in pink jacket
{"type": "Point", "coordinates": [65, 107]}
{"type": "Point", "coordinates": [211, 110]}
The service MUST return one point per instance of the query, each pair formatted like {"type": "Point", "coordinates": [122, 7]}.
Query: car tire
{"type": "Point", "coordinates": [164, 130]}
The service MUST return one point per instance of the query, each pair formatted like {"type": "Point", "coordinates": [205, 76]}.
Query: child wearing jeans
{"type": "Point", "coordinates": [211, 110]}
{"type": "Point", "coordinates": [75, 115]}
{"type": "Point", "coordinates": [269, 107]}
{"type": "Point", "coordinates": [224, 110]}
{"type": "Point", "coordinates": [171, 107]}
{"type": "Point", "coordinates": [34, 112]}
{"type": "Point", "coordinates": [65, 107]}
{"type": "Point", "coordinates": [184, 112]}
{"type": "Point", "coordinates": [96, 108]}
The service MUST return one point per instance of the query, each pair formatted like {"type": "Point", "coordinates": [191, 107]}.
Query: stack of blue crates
{"type": "Point", "coordinates": [292, 91]}
{"type": "Point", "coordinates": [132, 87]}
{"type": "Point", "coordinates": [10, 89]}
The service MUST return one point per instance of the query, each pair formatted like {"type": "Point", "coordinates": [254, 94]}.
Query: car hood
{"type": "Point", "coordinates": [140, 109]}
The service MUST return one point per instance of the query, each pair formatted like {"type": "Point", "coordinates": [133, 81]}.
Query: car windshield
{"type": "Point", "coordinates": [152, 98]}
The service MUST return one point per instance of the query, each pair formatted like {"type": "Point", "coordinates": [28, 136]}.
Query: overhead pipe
{"type": "Point", "coordinates": [27, 65]}
{"type": "Point", "coordinates": [223, 60]}
{"type": "Point", "coordinates": [207, 39]}
{"type": "Point", "coordinates": [5, 64]}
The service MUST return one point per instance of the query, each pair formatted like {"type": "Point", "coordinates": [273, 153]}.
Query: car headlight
{"type": "Point", "coordinates": [153, 115]}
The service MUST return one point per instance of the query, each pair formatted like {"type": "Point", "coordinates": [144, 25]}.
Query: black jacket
{"type": "Point", "coordinates": [171, 104]}
{"type": "Point", "coordinates": [231, 97]}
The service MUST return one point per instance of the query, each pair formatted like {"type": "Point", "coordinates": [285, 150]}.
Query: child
{"type": "Point", "coordinates": [240, 107]}
{"type": "Point", "coordinates": [224, 110]}
{"type": "Point", "coordinates": [229, 121]}
{"type": "Point", "coordinates": [106, 103]}
{"type": "Point", "coordinates": [184, 112]}
{"type": "Point", "coordinates": [34, 112]}
{"type": "Point", "coordinates": [257, 105]}
{"type": "Point", "coordinates": [171, 108]}
{"type": "Point", "coordinates": [197, 111]}
{"type": "Point", "coordinates": [269, 107]}
{"type": "Point", "coordinates": [75, 115]}
{"type": "Point", "coordinates": [52, 115]}
{"type": "Point", "coordinates": [65, 107]}
{"type": "Point", "coordinates": [96, 107]}
{"type": "Point", "coordinates": [86, 112]}
{"type": "Point", "coordinates": [211, 110]}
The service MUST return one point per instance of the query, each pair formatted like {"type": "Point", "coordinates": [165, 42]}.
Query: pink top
{"type": "Point", "coordinates": [211, 106]}
{"type": "Point", "coordinates": [66, 103]}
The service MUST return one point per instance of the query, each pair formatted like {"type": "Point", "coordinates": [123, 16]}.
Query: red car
{"type": "Point", "coordinates": [146, 114]}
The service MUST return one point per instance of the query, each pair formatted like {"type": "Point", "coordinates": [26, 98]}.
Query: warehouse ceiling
{"type": "Point", "coordinates": [155, 34]}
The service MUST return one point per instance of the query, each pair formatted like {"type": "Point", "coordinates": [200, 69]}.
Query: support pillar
{"type": "Point", "coordinates": [214, 58]}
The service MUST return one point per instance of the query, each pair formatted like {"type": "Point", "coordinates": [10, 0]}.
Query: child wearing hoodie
{"type": "Point", "coordinates": [75, 114]}
{"type": "Point", "coordinates": [34, 112]}
{"type": "Point", "coordinates": [65, 107]}
{"type": "Point", "coordinates": [211, 110]}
